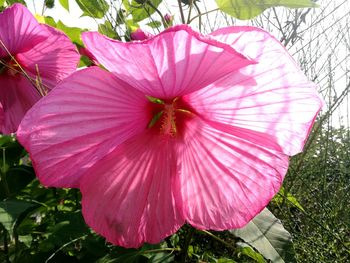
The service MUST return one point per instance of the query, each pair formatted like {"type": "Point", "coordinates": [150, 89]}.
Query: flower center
{"type": "Point", "coordinates": [9, 66]}
{"type": "Point", "coordinates": [168, 117]}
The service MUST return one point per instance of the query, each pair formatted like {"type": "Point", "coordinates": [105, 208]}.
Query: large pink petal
{"type": "Point", "coordinates": [173, 63]}
{"type": "Point", "coordinates": [128, 198]}
{"type": "Point", "coordinates": [224, 180]}
{"type": "Point", "coordinates": [86, 116]}
{"type": "Point", "coordinates": [270, 103]}
{"type": "Point", "coordinates": [52, 59]}
{"type": "Point", "coordinates": [17, 96]}
{"type": "Point", "coordinates": [19, 30]}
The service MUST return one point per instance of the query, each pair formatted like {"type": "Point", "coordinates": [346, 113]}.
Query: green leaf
{"type": "Point", "coordinates": [289, 197]}
{"type": "Point", "coordinates": [247, 9]}
{"type": "Point", "coordinates": [74, 33]}
{"type": "Point", "coordinates": [225, 260]}
{"type": "Point", "coordinates": [10, 2]}
{"type": "Point", "coordinates": [93, 8]}
{"type": "Point", "coordinates": [12, 211]}
{"type": "Point", "coordinates": [138, 11]}
{"type": "Point", "coordinates": [17, 178]}
{"type": "Point", "coordinates": [50, 21]}
{"type": "Point", "coordinates": [108, 30]}
{"type": "Point", "coordinates": [122, 255]}
{"type": "Point", "coordinates": [2, 2]}
{"type": "Point", "coordinates": [154, 24]}
{"type": "Point", "coordinates": [267, 235]}
{"type": "Point", "coordinates": [65, 4]}
{"type": "Point", "coordinates": [245, 249]}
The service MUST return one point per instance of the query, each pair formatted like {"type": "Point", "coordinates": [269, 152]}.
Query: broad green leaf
{"type": "Point", "coordinates": [247, 9]}
{"type": "Point", "coordinates": [245, 249]}
{"type": "Point", "coordinates": [108, 30]}
{"type": "Point", "coordinates": [154, 24]}
{"type": "Point", "coordinates": [267, 235]}
{"type": "Point", "coordinates": [93, 8]}
{"type": "Point", "coordinates": [10, 2]}
{"type": "Point", "coordinates": [11, 212]}
{"type": "Point", "coordinates": [289, 197]}
{"type": "Point", "coordinates": [74, 33]}
{"type": "Point", "coordinates": [65, 4]}
{"type": "Point", "coordinates": [17, 178]}
{"type": "Point", "coordinates": [70, 226]}
{"type": "Point", "coordinates": [131, 25]}
{"type": "Point", "coordinates": [138, 11]}
{"type": "Point", "coordinates": [2, 2]}
{"type": "Point", "coordinates": [50, 21]}
{"type": "Point", "coordinates": [122, 255]}
{"type": "Point", "coordinates": [45, 20]}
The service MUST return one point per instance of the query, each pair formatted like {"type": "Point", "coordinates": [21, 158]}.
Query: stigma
{"type": "Point", "coordinates": [168, 116]}
{"type": "Point", "coordinates": [168, 126]}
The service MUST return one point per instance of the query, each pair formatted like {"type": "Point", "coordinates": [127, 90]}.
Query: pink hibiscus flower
{"type": "Point", "coordinates": [45, 54]}
{"type": "Point", "coordinates": [184, 129]}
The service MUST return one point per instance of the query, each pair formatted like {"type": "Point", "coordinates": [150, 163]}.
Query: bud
{"type": "Point", "coordinates": [169, 19]}
{"type": "Point", "coordinates": [139, 34]}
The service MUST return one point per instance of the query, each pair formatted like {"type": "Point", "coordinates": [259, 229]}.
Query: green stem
{"type": "Point", "coordinates": [187, 244]}
{"type": "Point", "coordinates": [205, 13]}
{"type": "Point", "coordinates": [3, 174]}
{"type": "Point", "coordinates": [218, 239]}
{"type": "Point", "coordinates": [158, 12]}
{"type": "Point", "coordinates": [6, 246]}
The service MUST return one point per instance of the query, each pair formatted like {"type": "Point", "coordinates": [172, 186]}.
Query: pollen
{"type": "Point", "coordinates": [168, 126]}
{"type": "Point", "coordinates": [168, 116]}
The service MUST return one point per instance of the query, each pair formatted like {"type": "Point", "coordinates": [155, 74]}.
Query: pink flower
{"type": "Point", "coordinates": [45, 54]}
{"type": "Point", "coordinates": [183, 129]}
{"type": "Point", "coordinates": [140, 34]}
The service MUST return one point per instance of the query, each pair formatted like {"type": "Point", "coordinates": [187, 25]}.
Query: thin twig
{"type": "Point", "coordinates": [181, 12]}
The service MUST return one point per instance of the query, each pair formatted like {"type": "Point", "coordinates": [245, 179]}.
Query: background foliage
{"type": "Point", "coordinates": [40, 224]}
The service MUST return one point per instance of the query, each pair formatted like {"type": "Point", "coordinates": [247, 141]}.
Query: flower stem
{"type": "Point", "coordinates": [3, 174]}
{"type": "Point", "coordinates": [218, 239]}
{"type": "Point", "coordinates": [187, 244]}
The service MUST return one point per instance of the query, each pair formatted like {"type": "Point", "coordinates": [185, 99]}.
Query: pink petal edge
{"type": "Point", "coordinates": [225, 181]}
{"type": "Point", "coordinates": [17, 96]}
{"type": "Point", "coordinates": [53, 59]}
{"type": "Point", "coordinates": [85, 117]}
{"type": "Point", "coordinates": [175, 62]}
{"type": "Point", "coordinates": [271, 100]}
{"type": "Point", "coordinates": [128, 196]}
{"type": "Point", "coordinates": [19, 30]}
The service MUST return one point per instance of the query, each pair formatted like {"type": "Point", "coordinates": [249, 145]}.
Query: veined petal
{"type": "Point", "coordinates": [224, 180]}
{"type": "Point", "coordinates": [128, 197]}
{"type": "Point", "coordinates": [17, 96]}
{"type": "Point", "coordinates": [85, 117]}
{"type": "Point", "coordinates": [173, 63]}
{"type": "Point", "coordinates": [19, 30]}
{"type": "Point", "coordinates": [270, 103]}
{"type": "Point", "coordinates": [51, 60]}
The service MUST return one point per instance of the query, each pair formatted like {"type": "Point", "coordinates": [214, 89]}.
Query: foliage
{"type": "Point", "coordinates": [247, 9]}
